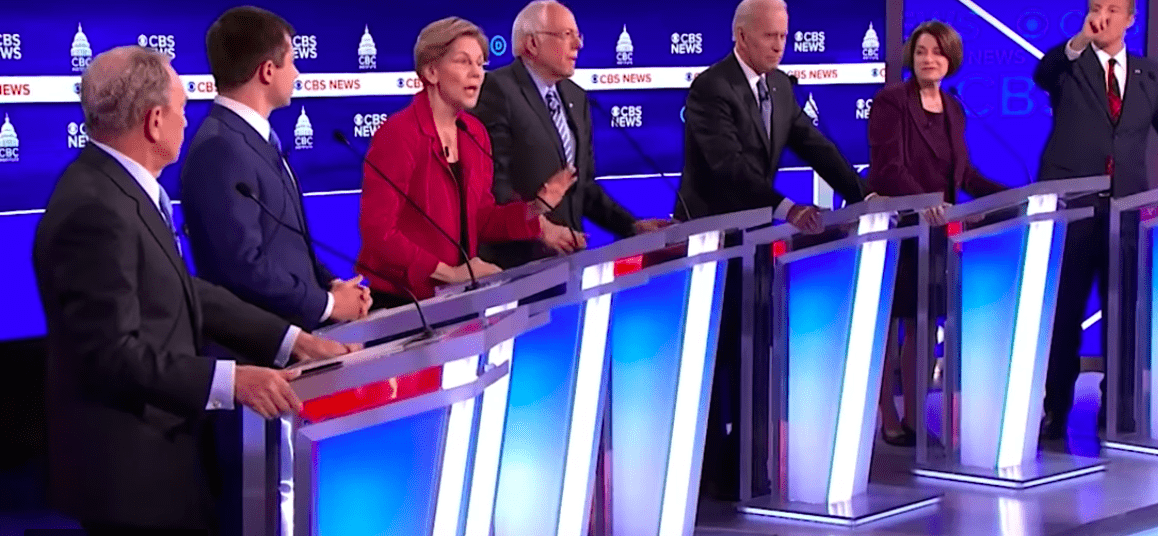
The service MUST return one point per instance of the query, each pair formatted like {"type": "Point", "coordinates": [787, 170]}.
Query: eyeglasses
{"type": "Point", "coordinates": [566, 36]}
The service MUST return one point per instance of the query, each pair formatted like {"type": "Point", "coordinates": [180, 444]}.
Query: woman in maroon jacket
{"type": "Point", "coordinates": [422, 150]}
{"type": "Point", "coordinates": [917, 145]}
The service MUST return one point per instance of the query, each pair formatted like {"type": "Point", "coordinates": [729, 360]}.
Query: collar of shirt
{"type": "Point", "coordinates": [1120, 71]}
{"type": "Point", "coordinates": [254, 119]}
{"type": "Point", "coordinates": [749, 73]}
{"type": "Point", "coordinates": [143, 177]}
{"type": "Point", "coordinates": [540, 84]}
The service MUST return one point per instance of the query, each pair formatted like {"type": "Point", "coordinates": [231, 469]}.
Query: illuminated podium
{"type": "Point", "coordinates": [1131, 323]}
{"type": "Point", "coordinates": [1002, 288]}
{"type": "Point", "coordinates": [830, 300]}
{"type": "Point", "coordinates": [412, 466]}
{"type": "Point", "coordinates": [267, 510]}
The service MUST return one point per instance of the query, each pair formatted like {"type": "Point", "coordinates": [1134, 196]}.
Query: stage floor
{"type": "Point", "coordinates": [1122, 501]}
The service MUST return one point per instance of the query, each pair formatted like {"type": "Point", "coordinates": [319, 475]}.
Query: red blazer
{"type": "Point", "coordinates": [901, 159]}
{"type": "Point", "coordinates": [396, 240]}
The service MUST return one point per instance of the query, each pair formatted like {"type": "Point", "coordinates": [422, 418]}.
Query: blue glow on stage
{"type": "Point", "coordinates": [390, 493]}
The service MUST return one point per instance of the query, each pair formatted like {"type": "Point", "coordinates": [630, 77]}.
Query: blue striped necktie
{"type": "Point", "coordinates": [560, 120]}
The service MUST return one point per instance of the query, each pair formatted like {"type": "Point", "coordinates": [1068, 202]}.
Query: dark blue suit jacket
{"type": "Point", "coordinates": [1083, 134]}
{"type": "Point", "coordinates": [235, 244]}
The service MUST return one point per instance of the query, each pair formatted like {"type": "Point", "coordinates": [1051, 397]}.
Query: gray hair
{"type": "Point", "coordinates": [120, 86]}
{"type": "Point", "coordinates": [533, 18]}
{"type": "Point", "coordinates": [748, 8]}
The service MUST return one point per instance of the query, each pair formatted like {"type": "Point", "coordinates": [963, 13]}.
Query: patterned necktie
{"type": "Point", "coordinates": [166, 209]}
{"type": "Point", "coordinates": [1114, 94]}
{"type": "Point", "coordinates": [765, 105]}
{"type": "Point", "coordinates": [560, 120]}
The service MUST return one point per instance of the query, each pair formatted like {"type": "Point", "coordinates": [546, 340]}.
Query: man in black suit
{"type": "Point", "coordinates": [128, 395]}
{"type": "Point", "coordinates": [235, 244]}
{"type": "Point", "coordinates": [740, 116]}
{"type": "Point", "coordinates": [540, 127]}
{"type": "Point", "coordinates": [1105, 103]}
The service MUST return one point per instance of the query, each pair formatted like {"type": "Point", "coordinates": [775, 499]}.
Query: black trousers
{"type": "Point", "coordinates": [1086, 260]}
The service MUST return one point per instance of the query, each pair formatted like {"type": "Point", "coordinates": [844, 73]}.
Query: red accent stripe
{"type": "Point", "coordinates": [372, 395]}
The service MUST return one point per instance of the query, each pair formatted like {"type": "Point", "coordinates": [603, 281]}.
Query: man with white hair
{"type": "Point", "coordinates": [740, 116]}
{"type": "Point", "coordinates": [540, 127]}
{"type": "Point", "coordinates": [128, 394]}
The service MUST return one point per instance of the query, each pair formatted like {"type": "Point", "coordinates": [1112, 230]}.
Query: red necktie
{"type": "Point", "coordinates": [1114, 94]}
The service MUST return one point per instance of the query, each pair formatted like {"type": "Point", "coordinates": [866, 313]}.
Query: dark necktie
{"type": "Point", "coordinates": [1114, 94]}
{"type": "Point", "coordinates": [765, 105]}
{"type": "Point", "coordinates": [276, 143]}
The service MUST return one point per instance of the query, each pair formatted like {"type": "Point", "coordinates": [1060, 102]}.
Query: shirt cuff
{"type": "Point", "coordinates": [1072, 54]}
{"type": "Point", "coordinates": [287, 346]}
{"type": "Point", "coordinates": [329, 306]}
{"type": "Point", "coordinates": [781, 212]}
{"type": "Point", "coordinates": [221, 390]}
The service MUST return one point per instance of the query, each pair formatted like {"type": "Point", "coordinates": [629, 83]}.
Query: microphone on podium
{"type": "Point", "coordinates": [341, 138]}
{"type": "Point", "coordinates": [646, 158]}
{"type": "Point", "coordinates": [247, 192]}
{"type": "Point", "coordinates": [462, 127]}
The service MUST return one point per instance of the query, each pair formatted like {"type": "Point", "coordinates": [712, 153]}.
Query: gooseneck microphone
{"type": "Point", "coordinates": [247, 192]}
{"type": "Point", "coordinates": [462, 127]}
{"type": "Point", "coordinates": [341, 138]}
{"type": "Point", "coordinates": [993, 132]}
{"type": "Point", "coordinates": [646, 158]}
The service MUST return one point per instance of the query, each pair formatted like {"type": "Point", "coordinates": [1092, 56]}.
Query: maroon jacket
{"type": "Point", "coordinates": [903, 161]}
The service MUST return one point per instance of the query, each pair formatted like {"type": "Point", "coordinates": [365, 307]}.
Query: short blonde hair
{"type": "Point", "coordinates": [435, 39]}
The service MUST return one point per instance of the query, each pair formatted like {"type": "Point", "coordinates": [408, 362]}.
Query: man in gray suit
{"type": "Point", "coordinates": [540, 127]}
{"type": "Point", "coordinates": [129, 396]}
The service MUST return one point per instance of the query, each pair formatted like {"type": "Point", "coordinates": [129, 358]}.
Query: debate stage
{"type": "Point", "coordinates": [1122, 501]}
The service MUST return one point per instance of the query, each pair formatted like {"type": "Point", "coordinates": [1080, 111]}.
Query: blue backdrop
{"type": "Point", "coordinates": [638, 60]}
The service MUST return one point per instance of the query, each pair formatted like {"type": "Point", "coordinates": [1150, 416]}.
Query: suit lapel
{"type": "Point", "coordinates": [955, 116]}
{"type": "Point", "coordinates": [1095, 76]}
{"type": "Point", "coordinates": [266, 153]}
{"type": "Point", "coordinates": [917, 113]}
{"type": "Point", "coordinates": [151, 217]}
{"type": "Point", "coordinates": [744, 92]}
{"type": "Point", "coordinates": [1137, 97]}
{"type": "Point", "coordinates": [535, 101]}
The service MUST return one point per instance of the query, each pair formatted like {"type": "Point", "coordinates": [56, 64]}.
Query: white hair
{"type": "Point", "coordinates": [532, 19]}
{"type": "Point", "coordinates": [120, 86]}
{"type": "Point", "coordinates": [748, 8]}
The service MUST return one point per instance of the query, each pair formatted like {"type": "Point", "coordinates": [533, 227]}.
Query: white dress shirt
{"type": "Point", "coordinates": [263, 128]}
{"type": "Point", "coordinates": [221, 389]}
{"type": "Point", "coordinates": [781, 212]}
{"type": "Point", "coordinates": [1103, 57]}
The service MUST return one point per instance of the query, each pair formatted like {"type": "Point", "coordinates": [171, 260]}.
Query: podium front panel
{"type": "Point", "coordinates": [538, 418]}
{"type": "Point", "coordinates": [392, 492]}
{"type": "Point", "coordinates": [838, 311]}
{"type": "Point", "coordinates": [1007, 296]}
{"type": "Point", "coordinates": [649, 423]}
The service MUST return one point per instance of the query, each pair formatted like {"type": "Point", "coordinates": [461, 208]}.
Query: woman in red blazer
{"type": "Point", "coordinates": [448, 175]}
{"type": "Point", "coordinates": [916, 146]}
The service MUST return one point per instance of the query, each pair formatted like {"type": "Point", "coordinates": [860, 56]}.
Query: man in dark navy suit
{"type": "Point", "coordinates": [234, 243]}
{"type": "Point", "coordinates": [1105, 102]}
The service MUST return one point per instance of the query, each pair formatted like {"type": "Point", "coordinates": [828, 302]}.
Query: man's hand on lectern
{"type": "Point", "coordinates": [806, 218]}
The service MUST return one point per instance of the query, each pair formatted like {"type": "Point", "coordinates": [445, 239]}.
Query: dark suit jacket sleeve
{"type": "Point", "coordinates": [92, 263]}
{"type": "Point", "coordinates": [601, 208]}
{"type": "Point", "coordinates": [502, 223]}
{"type": "Point", "coordinates": [711, 123]}
{"type": "Point", "coordinates": [492, 110]}
{"type": "Point", "coordinates": [809, 144]}
{"type": "Point", "coordinates": [248, 330]}
{"type": "Point", "coordinates": [325, 276]}
{"type": "Point", "coordinates": [1050, 69]}
{"type": "Point", "coordinates": [232, 235]}
{"type": "Point", "coordinates": [888, 172]}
